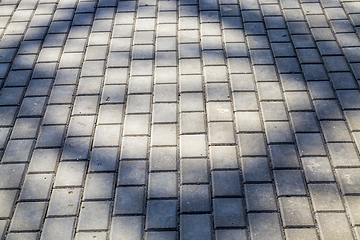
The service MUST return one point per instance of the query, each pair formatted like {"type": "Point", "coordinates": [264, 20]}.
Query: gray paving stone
{"type": "Point", "coordinates": [304, 122]}
{"type": "Point", "coordinates": [314, 72]}
{"type": "Point", "coordinates": [265, 73]}
{"type": "Point", "coordinates": [87, 235]}
{"type": "Point", "coordinates": [161, 235]}
{"type": "Point", "coordinates": [103, 159]}
{"type": "Point", "coordinates": [317, 169]}
{"type": "Point", "coordinates": [215, 74]}
{"type": "Point", "coordinates": [51, 136]}
{"type": "Point", "coordinates": [283, 156]}
{"type": "Point", "coordinates": [163, 134]}
{"type": "Point", "coordinates": [7, 200]}
{"type": "Point", "coordinates": [107, 135]}
{"type": "Point", "coordinates": [333, 225]}
{"type": "Point", "coordinates": [273, 111]}
{"type": "Point", "coordinates": [62, 94]}
{"type": "Point", "coordinates": [327, 109]}
{"type": "Point", "coordinates": [255, 169]}
{"type": "Point", "coordinates": [38, 87]}
{"type": "Point", "coordinates": [162, 185]}
{"type": "Point", "coordinates": [325, 197]}
{"type": "Point", "coordinates": [18, 151]}
{"type": "Point", "coordinates": [301, 233]}
{"type": "Point", "coordinates": [349, 99]}
{"type": "Point", "coordinates": [165, 75]}
{"type": "Point", "coordinates": [18, 78]}
{"type": "Point", "coordinates": [351, 204]}
{"type": "Point", "coordinates": [277, 132]}
{"type": "Point", "coordinates": [116, 75]}
{"type": "Point", "coordinates": [64, 202]}
{"type": "Point", "coordinates": [195, 198]}
{"type": "Point", "coordinates": [231, 234]}
{"type": "Point", "coordinates": [66, 76]}
{"type": "Point", "coordinates": [165, 93]}
{"type": "Point", "coordinates": [128, 227]}
{"type": "Point", "coordinates": [89, 85]}
{"type": "Point", "coordinates": [343, 154]}
{"type": "Point", "coordinates": [292, 82]}
{"type": "Point", "coordinates": [85, 105]}
{"type": "Point", "coordinates": [289, 182]}
{"type": "Point", "coordinates": [229, 212]}
{"type": "Point", "coordinates": [94, 215]}
{"type": "Point", "coordinates": [129, 200]}
{"type": "Point", "coordinates": [265, 225]}
{"type": "Point", "coordinates": [11, 175]}
{"type": "Point", "coordinates": [194, 171]}
{"type": "Point", "coordinates": [134, 148]}
{"type": "Point", "coordinates": [163, 158]}
{"type": "Point", "coordinates": [195, 226]}
{"type": "Point", "coordinates": [296, 211]}
{"type": "Point", "coordinates": [132, 173]}
{"type": "Point", "coordinates": [226, 183]}
{"type": "Point", "coordinates": [193, 146]}
{"type": "Point", "coordinates": [245, 101]}
{"type": "Point", "coordinates": [321, 90]}
{"type": "Point", "coordinates": [247, 121]}
{"type": "Point", "coordinates": [138, 104]}
{"type": "Point", "coordinates": [99, 186]}
{"type": "Point", "coordinates": [33, 106]}
{"type": "Point", "coordinates": [11, 96]}
{"type": "Point", "coordinates": [137, 124]}
{"type": "Point", "coordinates": [76, 148]}
{"type": "Point", "coordinates": [4, 133]}
{"type": "Point", "coordinates": [110, 113]}
{"type": "Point", "coordinates": [141, 84]}
{"type": "Point", "coordinates": [310, 144]}
{"type": "Point", "coordinates": [252, 144]}
{"type": "Point", "coordinates": [25, 235]}
{"type": "Point", "coordinates": [221, 132]}
{"type": "Point", "coordinates": [70, 174]}
{"type": "Point", "coordinates": [58, 228]}
{"type": "Point", "coordinates": [349, 180]}
{"type": "Point", "coordinates": [260, 197]}
{"type": "Point", "coordinates": [36, 187]}
{"type": "Point", "coordinates": [164, 113]}
{"type": "Point", "coordinates": [217, 92]}
{"type": "Point", "coordinates": [297, 101]}
{"type": "Point", "coordinates": [223, 157]}
{"type": "Point", "coordinates": [161, 214]}
{"type": "Point", "coordinates": [28, 216]}
{"type": "Point", "coordinates": [81, 126]}
{"type": "Point", "coordinates": [343, 80]}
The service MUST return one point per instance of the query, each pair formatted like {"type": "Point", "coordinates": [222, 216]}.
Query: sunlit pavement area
{"type": "Point", "coordinates": [187, 119]}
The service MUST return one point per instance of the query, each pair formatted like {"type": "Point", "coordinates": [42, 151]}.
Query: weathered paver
{"type": "Point", "coordinates": [184, 119]}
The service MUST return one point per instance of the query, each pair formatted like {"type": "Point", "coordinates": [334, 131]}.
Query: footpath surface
{"type": "Point", "coordinates": [187, 119]}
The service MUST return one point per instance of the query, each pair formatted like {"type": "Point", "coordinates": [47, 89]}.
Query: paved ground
{"type": "Point", "coordinates": [182, 119]}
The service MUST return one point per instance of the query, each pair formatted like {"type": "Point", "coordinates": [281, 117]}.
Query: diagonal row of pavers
{"type": "Point", "coordinates": [188, 119]}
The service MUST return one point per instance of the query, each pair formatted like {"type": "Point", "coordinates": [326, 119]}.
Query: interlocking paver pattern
{"type": "Point", "coordinates": [180, 119]}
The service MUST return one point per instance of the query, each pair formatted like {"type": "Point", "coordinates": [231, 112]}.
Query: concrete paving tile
{"type": "Point", "coordinates": [28, 216]}
{"type": "Point", "coordinates": [255, 169]}
{"type": "Point", "coordinates": [162, 185]}
{"type": "Point", "coordinates": [333, 225]}
{"type": "Point", "coordinates": [296, 211]}
{"type": "Point", "coordinates": [325, 197]}
{"type": "Point", "coordinates": [55, 228]}
{"type": "Point", "coordinates": [226, 183]}
{"type": "Point", "coordinates": [94, 215]}
{"type": "Point", "coordinates": [129, 200]}
{"type": "Point", "coordinates": [18, 151]}
{"type": "Point", "coordinates": [264, 225]}
{"type": "Point", "coordinates": [163, 158]}
{"type": "Point", "coordinates": [317, 169]}
{"type": "Point", "coordinates": [132, 173]}
{"type": "Point", "coordinates": [7, 201]}
{"type": "Point", "coordinates": [36, 187]}
{"type": "Point", "coordinates": [195, 198]}
{"type": "Point", "coordinates": [260, 197]}
{"type": "Point", "coordinates": [64, 202]}
{"type": "Point", "coordinates": [127, 227]}
{"type": "Point", "coordinates": [196, 226]}
{"type": "Point", "coordinates": [194, 171]}
{"type": "Point", "coordinates": [161, 214]}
